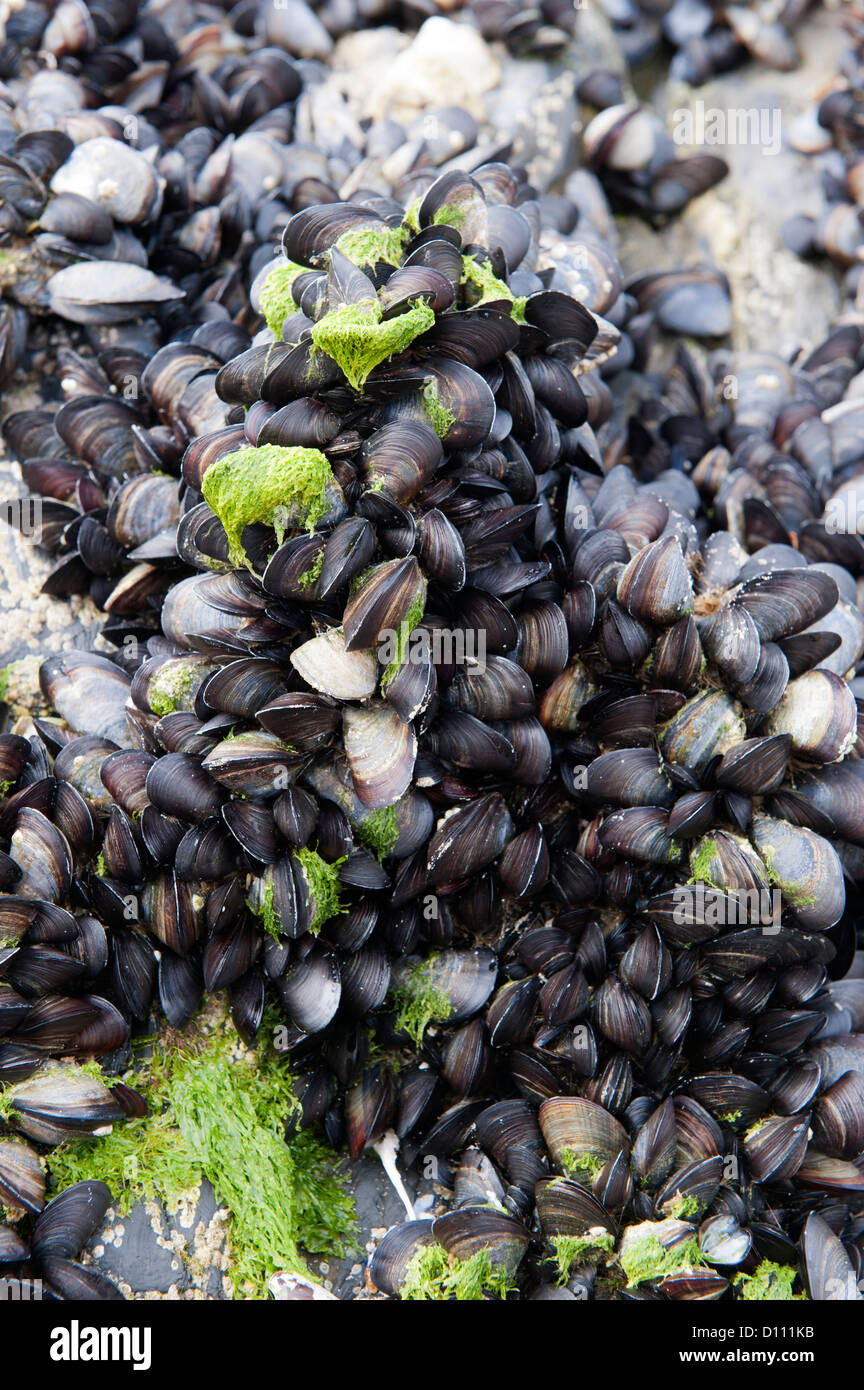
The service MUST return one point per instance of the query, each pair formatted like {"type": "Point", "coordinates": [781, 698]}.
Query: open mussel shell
{"type": "Point", "coordinates": [327, 666]}
{"type": "Point", "coordinates": [381, 750]}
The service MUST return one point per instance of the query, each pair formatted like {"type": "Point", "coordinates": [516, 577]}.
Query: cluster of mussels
{"type": "Point", "coordinates": [833, 133]}
{"type": "Point", "coordinates": [709, 37]}
{"type": "Point", "coordinates": [507, 740]}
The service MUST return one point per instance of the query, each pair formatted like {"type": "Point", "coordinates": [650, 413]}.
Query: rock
{"type": "Point", "coordinates": [446, 64]}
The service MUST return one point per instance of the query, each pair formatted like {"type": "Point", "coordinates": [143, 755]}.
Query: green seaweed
{"type": "Point", "coordinates": [570, 1248]}
{"type": "Point", "coordinates": [265, 910]}
{"type": "Point", "coordinates": [418, 1002]}
{"type": "Point", "coordinates": [218, 1114]}
{"type": "Point", "coordinates": [412, 618]}
{"type": "Point", "coordinates": [700, 863]}
{"type": "Point", "coordinates": [411, 220]}
{"type": "Point", "coordinates": [4, 682]}
{"type": "Point", "coordinates": [277, 303]}
{"type": "Point", "coordinates": [373, 242]}
{"type": "Point", "coordinates": [442, 419]}
{"type": "Point", "coordinates": [582, 1166]}
{"type": "Point", "coordinates": [682, 1208]}
{"type": "Point", "coordinates": [170, 685]}
{"type": "Point", "coordinates": [99, 867]}
{"type": "Point", "coordinates": [357, 336]}
{"type": "Point", "coordinates": [448, 215]}
{"type": "Point", "coordinates": [378, 831]}
{"type": "Point", "coordinates": [324, 886]}
{"type": "Point", "coordinates": [645, 1259]}
{"type": "Point", "coordinates": [769, 1283]}
{"type": "Point", "coordinates": [313, 574]}
{"type": "Point", "coordinates": [433, 1275]}
{"type": "Point", "coordinates": [270, 484]}
{"type": "Point", "coordinates": [481, 276]}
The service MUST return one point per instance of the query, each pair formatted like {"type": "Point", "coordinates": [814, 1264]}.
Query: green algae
{"type": "Point", "coordinates": [449, 215]}
{"type": "Point", "coordinates": [442, 419]}
{"type": "Point", "coordinates": [170, 686]}
{"type": "Point", "coordinates": [792, 892]}
{"type": "Point", "coordinates": [373, 242]}
{"type": "Point", "coordinates": [769, 1283]}
{"type": "Point", "coordinates": [587, 1247]}
{"type": "Point", "coordinates": [645, 1259]}
{"type": "Point", "coordinates": [313, 574]}
{"type": "Point", "coordinates": [277, 303]}
{"type": "Point", "coordinates": [682, 1208]}
{"type": "Point", "coordinates": [265, 911]}
{"type": "Point", "coordinates": [270, 484]}
{"type": "Point", "coordinates": [582, 1166]}
{"type": "Point", "coordinates": [433, 1275]}
{"type": "Point", "coordinates": [701, 860]}
{"type": "Point", "coordinates": [412, 619]}
{"type": "Point", "coordinates": [378, 831]}
{"type": "Point", "coordinates": [411, 220]}
{"type": "Point", "coordinates": [325, 887]}
{"type": "Point", "coordinates": [218, 1115]}
{"type": "Point", "coordinates": [418, 1002]}
{"type": "Point", "coordinates": [482, 278]}
{"type": "Point", "coordinates": [358, 338]}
